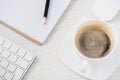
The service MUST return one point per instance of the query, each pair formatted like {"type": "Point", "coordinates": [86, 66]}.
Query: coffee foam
{"type": "Point", "coordinates": [99, 27]}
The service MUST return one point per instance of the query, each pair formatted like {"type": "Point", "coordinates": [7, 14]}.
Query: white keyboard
{"type": "Point", "coordinates": [14, 60]}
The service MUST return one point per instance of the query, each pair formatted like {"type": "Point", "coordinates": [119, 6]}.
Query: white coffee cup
{"type": "Point", "coordinates": [87, 60]}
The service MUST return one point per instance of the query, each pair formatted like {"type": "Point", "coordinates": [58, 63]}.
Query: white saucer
{"type": "Point", "coordinates": [98, 71]}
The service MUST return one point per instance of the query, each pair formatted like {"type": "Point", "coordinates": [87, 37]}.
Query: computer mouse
{"type": "Point", "coordinates": [106, 10]}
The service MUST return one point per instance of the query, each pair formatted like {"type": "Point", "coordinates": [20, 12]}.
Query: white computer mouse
{"type": "Point", "coordinates": [106, 10]}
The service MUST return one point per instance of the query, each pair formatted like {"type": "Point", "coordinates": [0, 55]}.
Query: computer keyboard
{"type": "Point", "coordinates": [14, 60]}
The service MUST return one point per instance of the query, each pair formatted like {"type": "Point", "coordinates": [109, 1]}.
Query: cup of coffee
{"type": "Point", "coordinates": [94, 41]}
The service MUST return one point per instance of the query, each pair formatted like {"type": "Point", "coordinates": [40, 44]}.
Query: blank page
{"type": "Point", "coordinates": [26, 16]}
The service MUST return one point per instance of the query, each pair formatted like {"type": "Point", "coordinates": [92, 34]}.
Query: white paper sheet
{"type": "Point", "coordinates": [26, 16]}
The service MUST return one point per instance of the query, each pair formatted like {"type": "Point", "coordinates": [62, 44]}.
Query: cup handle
{"type": "Point", "coordinates": [84, 65]}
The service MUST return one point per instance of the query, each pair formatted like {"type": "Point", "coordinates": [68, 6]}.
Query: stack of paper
{"type": "Point", "coordinates": [25, 17]}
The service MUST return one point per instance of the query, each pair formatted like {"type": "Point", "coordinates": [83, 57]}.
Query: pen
{"type": "Point", "coordinates": [46, 11]}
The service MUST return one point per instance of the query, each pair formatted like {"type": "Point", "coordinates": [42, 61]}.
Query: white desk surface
{"type": "Point", "coordinates": [47, 66]}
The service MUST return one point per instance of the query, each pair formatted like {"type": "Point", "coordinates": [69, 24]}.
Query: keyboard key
{"type": "Point", "coordinates": [8, 76]}
{"type": "Point", "coordinates": [18, 74]}
{"type": "Point", "coordinates": [14, 48]}
{"type": "Point", "coordinates": [2, 71]}
{"type": "Point", "coordinates": [4, 63]}
{"type": "Point", "coordinates": [22, 63]}
{"type": "Point", "coordinates": [5, 54]}
{"type": "Point", "coordinates": [1, 49]}
{"type": "Point", "coordinates": [28, 57]}
{"type": "Point", "coordinates": [11, 67]}
{"type": "Point", "coordinates": [7, 44]}
{"type": "Point", "coordinates": [21, 52]}
{"type": "Point", "coordinates": [12, 58]}
{"type": "Point", "coordinates": [1, 40]}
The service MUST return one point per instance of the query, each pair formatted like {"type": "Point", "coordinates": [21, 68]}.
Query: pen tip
{"type": "Point", "coordinates": [44, 20]}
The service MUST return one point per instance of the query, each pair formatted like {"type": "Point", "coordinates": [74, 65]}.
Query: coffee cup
{"type": "Point", "coordinates": [94, 41]}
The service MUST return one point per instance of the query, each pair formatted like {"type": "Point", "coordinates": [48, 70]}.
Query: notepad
{"type": "Point", "coordinates": [25, 17]}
